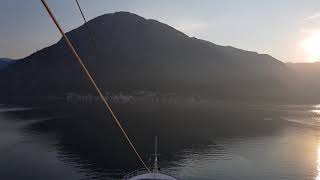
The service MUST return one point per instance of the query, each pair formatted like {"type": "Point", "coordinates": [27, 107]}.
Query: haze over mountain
{"type": "Point", "coordinates": [307, 77]}
{"type": "Point", "coordinates": [142, 54]}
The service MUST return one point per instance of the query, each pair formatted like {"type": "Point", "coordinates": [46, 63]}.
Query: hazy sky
{"type": "Point", "coordinates": [276, 27]}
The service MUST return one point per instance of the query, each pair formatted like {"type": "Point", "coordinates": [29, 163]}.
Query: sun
{"type": "Point", "coordinates": [311, 45]}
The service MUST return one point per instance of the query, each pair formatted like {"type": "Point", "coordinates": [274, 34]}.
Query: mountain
{"type": "Point", "coordinates": [4, 62]}
{"type": "Point", "coordinates": [306, 70]}
{"type": "Point", "coordinates": [144, 54]}
{"type": "Point", "coordinates": [307, 79]}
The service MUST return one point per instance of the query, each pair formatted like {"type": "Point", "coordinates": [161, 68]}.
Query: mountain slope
{"type": "Point", "coordinates": [4, 62]}
{"type": "Point", "coordinates": [307, 80]}
{"type": "Point", "coordinates": [141, 54]}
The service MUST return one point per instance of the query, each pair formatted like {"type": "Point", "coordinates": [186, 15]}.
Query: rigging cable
{"type": "Point", "coordinates": [93, 40]}
{"type": "Point", "coordinates": [92, 81]}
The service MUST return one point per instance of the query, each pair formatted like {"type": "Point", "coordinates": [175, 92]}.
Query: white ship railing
{"type": "Point", "coordinates": [135, 173]}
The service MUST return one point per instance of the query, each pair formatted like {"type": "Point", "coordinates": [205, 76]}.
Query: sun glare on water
{"type": "Point", "coordinates": [318, 165]}
{"type": "Point", "coordinates": [311, 45]}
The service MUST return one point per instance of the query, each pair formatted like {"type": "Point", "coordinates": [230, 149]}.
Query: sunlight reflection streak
{"type": "Point", "coordinates": [318, 163]}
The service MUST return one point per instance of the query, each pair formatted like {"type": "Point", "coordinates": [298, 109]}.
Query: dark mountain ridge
{"type": "Point", "coordinates": [4, 62]}
{"type": "Point", "coordinates": [141, 54]}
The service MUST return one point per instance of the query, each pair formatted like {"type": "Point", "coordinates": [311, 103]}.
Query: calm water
{"type": "Point", "coordinates": [281, 142]}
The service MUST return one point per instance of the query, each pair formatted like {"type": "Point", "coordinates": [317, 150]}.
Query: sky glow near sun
{"type": "Point", "coordinates": [311, 45]}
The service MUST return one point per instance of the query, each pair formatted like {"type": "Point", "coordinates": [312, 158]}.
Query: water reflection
{"type": "Point", "coordinates": [213, 145]}
{"type": "Point", "coordinates": [316, 109]}
{"type": "Point", "coordinates": [318, 164]}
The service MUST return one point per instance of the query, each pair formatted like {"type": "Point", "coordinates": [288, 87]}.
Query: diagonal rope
{"type": "Point", "coordinates": [91, 80]}
{"type": "Point", "coordinates": [93, 40]}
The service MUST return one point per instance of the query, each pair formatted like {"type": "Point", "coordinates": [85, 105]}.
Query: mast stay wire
{"type": "Point", "coordinates": [93, 40]}
{"type": "Point", "coordinates": [92, 82]}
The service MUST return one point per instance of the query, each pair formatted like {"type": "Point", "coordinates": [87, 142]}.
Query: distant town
{"type": "Point", "coordinates": [136, 97]}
